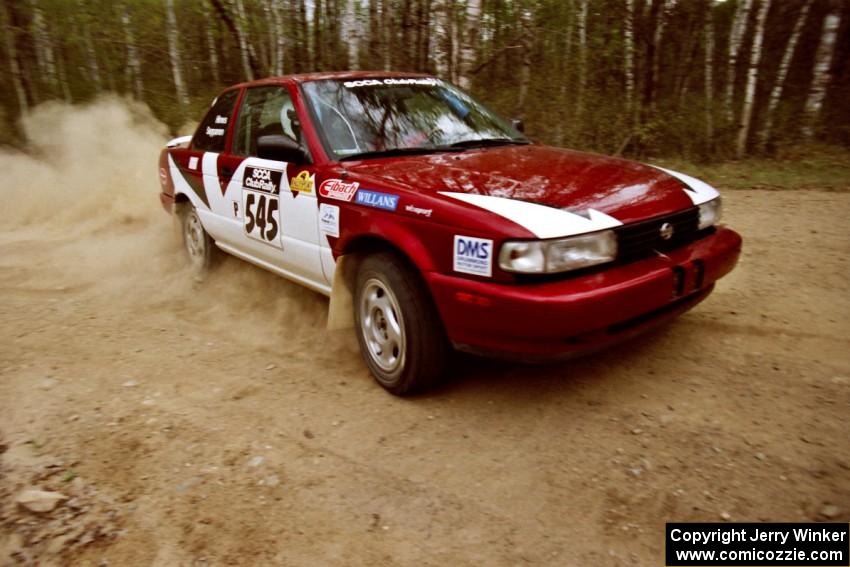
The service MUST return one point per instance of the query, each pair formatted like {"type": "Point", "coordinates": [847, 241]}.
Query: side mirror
{"type": "Point", "coordinates": [518, 124]}
{"type": "Point", "coordinates": [281, 148]}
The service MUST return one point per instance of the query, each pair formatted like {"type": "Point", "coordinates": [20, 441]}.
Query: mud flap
{"type": "Point", "coordinates": [341, 307]}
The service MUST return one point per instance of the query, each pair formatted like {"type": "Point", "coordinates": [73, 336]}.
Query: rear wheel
{"type": "Point", "coordinates": [400, 333]}
{"type": "Point", "coordinates": [200, 249]}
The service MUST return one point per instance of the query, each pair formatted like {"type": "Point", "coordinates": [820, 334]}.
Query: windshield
{"type": "Point", "coordinates": [397, 115]}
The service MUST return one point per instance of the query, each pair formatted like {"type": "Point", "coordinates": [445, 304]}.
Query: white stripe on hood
{"type": "Point", "coordinates": [540, 220]}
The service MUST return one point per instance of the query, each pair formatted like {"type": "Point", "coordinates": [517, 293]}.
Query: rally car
{"type": "Point", "coordinates": [432, 223]}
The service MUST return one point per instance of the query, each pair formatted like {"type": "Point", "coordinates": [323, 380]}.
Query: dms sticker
{"type": "Point", "coordinates": [329, 219]}
{"type": "Point", "coordinates": [338, 189]}
{"type": "Point", "coordinates": [378, 200]}
{"type": "Point", "coordinates": [262, 179]}
{"type": "Point", "coordinates": [302, 183]}
{"type": "Point", "coordinates": [473, 256]}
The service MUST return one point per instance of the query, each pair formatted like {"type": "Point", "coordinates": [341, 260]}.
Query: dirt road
{"type": "Point", "coordinates": [219, 423]}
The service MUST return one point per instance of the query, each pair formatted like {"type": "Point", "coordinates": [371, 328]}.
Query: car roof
{"type": "Point", "coordinates": [306, 77]}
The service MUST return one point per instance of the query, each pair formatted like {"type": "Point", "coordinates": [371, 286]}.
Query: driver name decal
{"type": "Point", "coordinates": [473, 256]}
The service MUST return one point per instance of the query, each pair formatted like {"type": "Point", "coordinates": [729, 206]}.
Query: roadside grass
{"type": "Point", "coordinates": [822, 167]}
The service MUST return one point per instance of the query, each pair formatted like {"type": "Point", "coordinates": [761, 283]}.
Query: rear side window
{"type": "Point", "coordinates": [212, 132]}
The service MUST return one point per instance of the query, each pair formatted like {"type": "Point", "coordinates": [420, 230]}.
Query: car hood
{"type": "Point", "coordinates": [575, 181]}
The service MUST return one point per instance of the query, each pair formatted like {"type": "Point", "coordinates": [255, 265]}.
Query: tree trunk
{"type": "Point", "coordinates": [752, 79]}
{"type": "Point", "coordinates": [386, 34]}
{"type": "Point", "coordinates": [629, 54]}
{"type": "Point", "coordinates": [708, 33]}
{"type": "Point", "coordinates": [736, 35]}
{"type": "Point", "coordinates": [657, 37]}
{"type": "Point", "coordinates": [352, 33]}
{"type": "Point", "coordinates": [14, 62]}
{"type": "Point", "coordinates": [250, 67]}
{"type": "Point", "coordinates": [779, 84]}
{"type": "Point", "coordinates": [469, 41]}
{"type": "Point", "coordinates": [374, 35]}
{"type": "Point", "coordinates": [134, 65]}
{"type": "Point", "coordinates": [91, 54]}
{"type": "Point", "coordinates": [563, 60]}
{"type": "Point", "coordinates": [44, 51]}
{"type": "Point", "coordinates": [302, 59]}
{"type": "Point", "coordinates": [820, 76]}
{"type": "Point", "coordinates": [581, 29]}
{"type": "Point", "coordinates": [655, 16]}
{"type": "Point", "coordinates": [174, 53]}
{"type": "Point", "coordinates": [318, 39]}
{"type": "Point", "coordinates": [245, 42]}
{"type": "Point", "coordinates": [525, 69]}
{"type": "Point", "coordinates": [212, 48]}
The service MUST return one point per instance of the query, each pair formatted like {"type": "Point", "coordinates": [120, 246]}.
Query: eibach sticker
{"type": "Point", "coordinates": [338, 189]}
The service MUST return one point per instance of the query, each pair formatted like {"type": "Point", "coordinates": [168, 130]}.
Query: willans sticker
{"type": "Point", "coordinates": [378, 200]}
{"type": "Point", "coordinates": [329, 219]}
{"type": "Point", "coordinates": [473, 256]}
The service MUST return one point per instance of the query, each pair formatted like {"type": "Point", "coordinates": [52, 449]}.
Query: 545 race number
{"type": "Point", "coordinates": [261, 216]}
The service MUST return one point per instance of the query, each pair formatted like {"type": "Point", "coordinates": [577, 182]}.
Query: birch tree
{"type": "Point", "coordinates": [736, 35]}
{"type": "Point", "coordinates": [245, 45]}
{"type": "Point", "coordinates": [709, 72]}
{"type": "Point", "coordinates": [212, 48]}
{"type": "Point", "coordinates": [352, 32]}
{"type": "Point", "coordinates": [784, 65]}
{"type": "Point", "coordinates": [134, 64]}
{"type": "Point", "coordinates": [44, 50]}
{"type": "Point", "coordinates": [469, 41]}
{"type": "Point", "coordinates": [174, 53]}
{"type": "Point", "coordinates": [278, 37]}
{"type": "Point", "coordinates": [14, 62]}
{"type": "Point", "coordinates": [820, 77]}
{"type": "Point", "coordinates": [249, 63]}
{"type": "Point", "coordinates": [581, 29]}
{"type": "Point", "coordinates": [629, 53]}
{"type": "Point", "coordinates": [752, 79]}
{"type": "Point", "coordinates": [91, 53]}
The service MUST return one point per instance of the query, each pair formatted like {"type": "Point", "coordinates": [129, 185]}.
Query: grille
{"type": "Point", "coordinates": [641, 239]}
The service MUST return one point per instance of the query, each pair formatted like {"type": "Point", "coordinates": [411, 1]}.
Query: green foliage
{"type": "Point", "coordinates": [810, 166]}
{"type": "Point", "coordinates": [575, 92]}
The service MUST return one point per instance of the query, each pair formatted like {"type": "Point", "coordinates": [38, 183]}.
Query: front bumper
{"type": "Point", "coordinates": [585, 312]}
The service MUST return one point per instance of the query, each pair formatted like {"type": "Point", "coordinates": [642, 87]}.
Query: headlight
{"type": "Point", "coordinates": [561, 255]}
{"type": "Point", "coordinates": [709, 213]}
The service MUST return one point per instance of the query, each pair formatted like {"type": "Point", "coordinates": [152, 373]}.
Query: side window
{"type": "Point", "coordinates": [265, 111]}
{"type": "Point", "coordinates": [212, 132]}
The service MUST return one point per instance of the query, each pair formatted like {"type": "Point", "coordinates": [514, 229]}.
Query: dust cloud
{"type": "Point", "coordinates": [83, 198]}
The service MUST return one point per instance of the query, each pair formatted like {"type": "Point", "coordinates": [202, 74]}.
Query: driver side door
{"type": "Point", "coordinates": [273, 202]}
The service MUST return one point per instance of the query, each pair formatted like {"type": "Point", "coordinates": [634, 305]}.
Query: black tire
{"type": "Point", "coordinates": [199, 246]}
{"type": "Point", "coordinates": [420, 359]}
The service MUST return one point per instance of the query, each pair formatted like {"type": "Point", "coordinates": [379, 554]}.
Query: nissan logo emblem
{"type": "Point", "coordinates": [666, 231]}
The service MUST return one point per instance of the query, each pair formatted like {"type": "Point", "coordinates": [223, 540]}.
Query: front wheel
{"type": "Point", "coordinates": [400, 333]}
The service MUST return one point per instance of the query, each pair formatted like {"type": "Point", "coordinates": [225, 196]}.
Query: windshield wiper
{"type": "Point", "coordinates": [399, 152]}
{"type": "Point", "coordinates": [483, 142]}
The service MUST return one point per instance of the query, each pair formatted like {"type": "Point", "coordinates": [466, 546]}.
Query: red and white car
{"type": "Point", "coordinates": [433, 223]}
